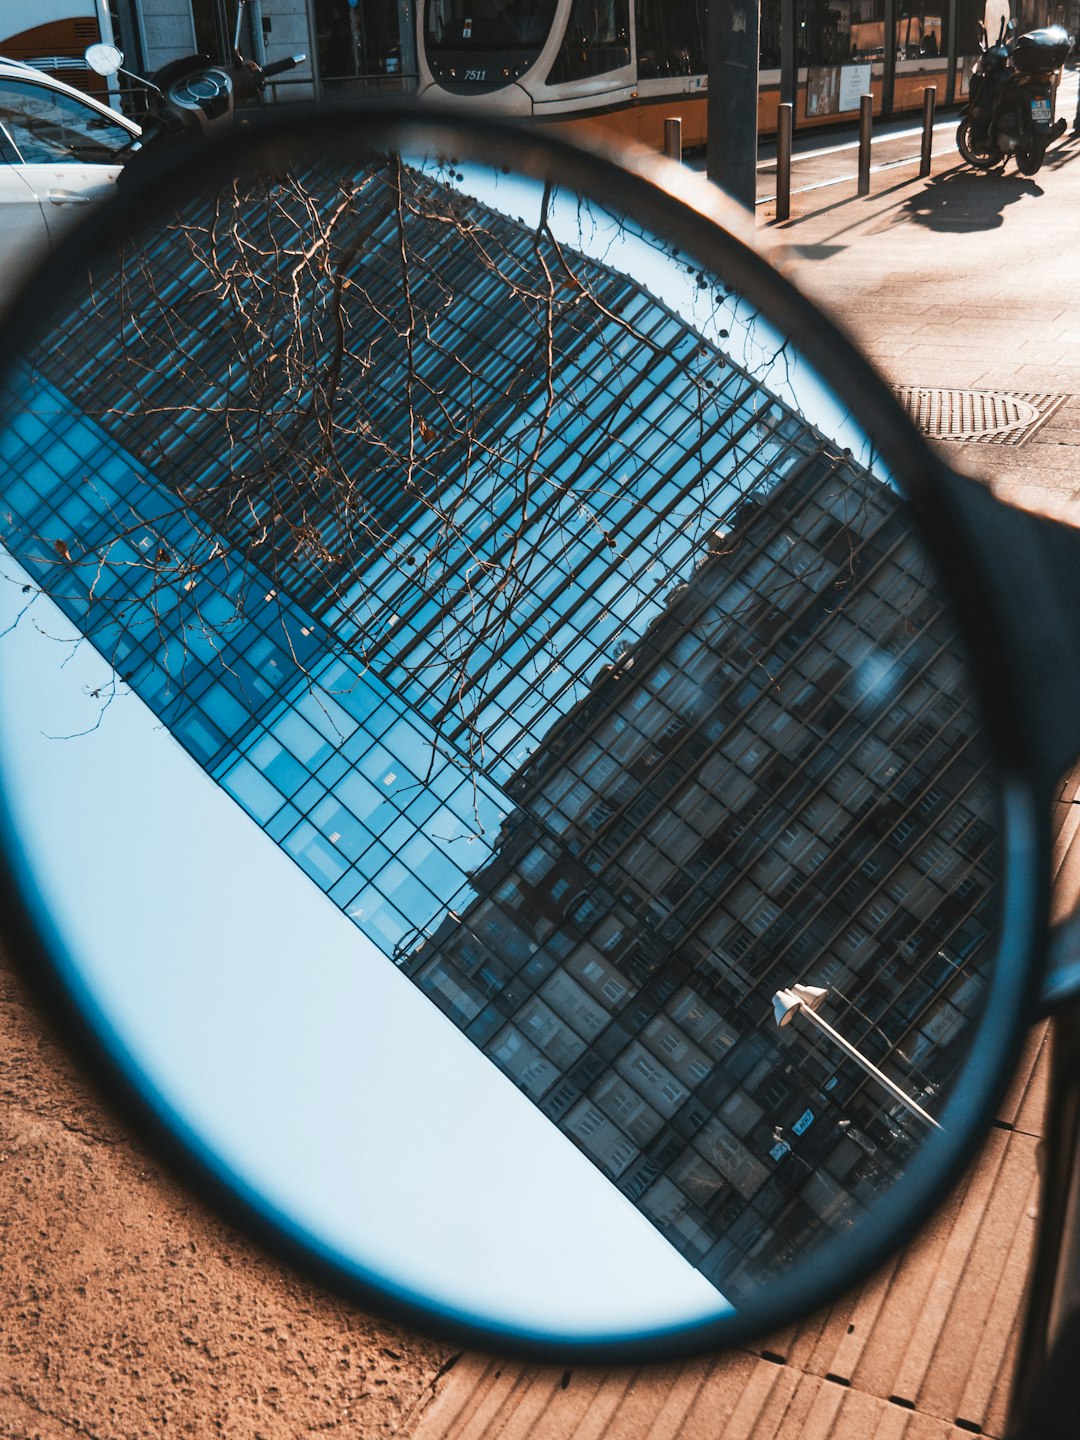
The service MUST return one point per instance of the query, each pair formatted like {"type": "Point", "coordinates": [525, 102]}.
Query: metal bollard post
{"type": "Point", "coordinates": [784, 121]}
{"type": "Point", "coordinates": [866, 121]}
{"type": "Point", "coordinates": [673, 138]}
{"type": "Point", "coordinates": [929, 100]}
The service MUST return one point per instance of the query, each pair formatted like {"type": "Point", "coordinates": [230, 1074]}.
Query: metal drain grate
{"type": "Point", "coordinates": [992, 417]}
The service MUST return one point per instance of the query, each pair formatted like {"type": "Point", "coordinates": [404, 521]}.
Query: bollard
{"type": "Point", "coordinates": [784, 120]}
{"type": "Point", "coordinates": [673, 138]}
{"type": "Point", "coordinates": [929, 100]}
{"type": "Point", "coordinates": [866, 121]}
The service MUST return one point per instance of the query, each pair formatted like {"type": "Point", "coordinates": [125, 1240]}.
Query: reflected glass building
{"type": "Point", "coordinates": [599, 689]}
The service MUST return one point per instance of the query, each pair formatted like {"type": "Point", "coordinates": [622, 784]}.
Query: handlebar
{"type": "Point", "coordinates": [277, 66]}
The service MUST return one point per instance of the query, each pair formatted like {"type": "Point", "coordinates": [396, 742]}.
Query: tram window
{"type": "Point", "coordinates": [488, 24]}
{"type": "Point", "coordinates": [824, 34]}
{"type": "Point", "coordinates": [597, 39]}
{"type": "Point", "coordinates": [671, 38]}
{"type": "Point", "coordinates": [919, 36]}
{"type": "Point", "coordinates": [827, 35]}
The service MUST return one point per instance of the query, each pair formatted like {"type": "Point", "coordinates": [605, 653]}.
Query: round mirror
{"type": "Point", "coordinates": [104, 59]}
{"type": "Point", "coordinates": [490, 752]}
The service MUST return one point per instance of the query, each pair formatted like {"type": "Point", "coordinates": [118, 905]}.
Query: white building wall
{"type": "Point", "coordinates": [168, 32]}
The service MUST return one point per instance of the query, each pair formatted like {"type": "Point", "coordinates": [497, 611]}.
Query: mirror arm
{"type": "Point", "coordinates": [1062, 971]}
{"type": "Point", "coordinates": [241, 6]}
{"type": "Point", "coordinates": [141, 79]}
{"type": "Point", "coordinates": [1030, 568]}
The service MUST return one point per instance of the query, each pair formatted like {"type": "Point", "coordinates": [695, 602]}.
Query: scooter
{"type": "Point", "coordinates": [192, 97]}
{"type": "Point", "coordinates": [1010, 102]}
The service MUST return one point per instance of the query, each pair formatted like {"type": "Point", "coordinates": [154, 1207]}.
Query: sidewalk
{"type": "Point", "coordinates": [828, 161]}
{"type": "Point", "coordinates": [961, 280]}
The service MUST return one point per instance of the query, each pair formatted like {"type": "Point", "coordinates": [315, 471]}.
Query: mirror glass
{"type": "Point", "coordinates": [462, 669]}
{"type": "Point", "coordinates": [104, 59]}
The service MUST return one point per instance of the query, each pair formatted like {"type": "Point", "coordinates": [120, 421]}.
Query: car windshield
{"type": "Point", "coordinates": [46, 126]}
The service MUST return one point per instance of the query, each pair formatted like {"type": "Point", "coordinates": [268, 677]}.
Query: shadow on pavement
{"type": "Point", "coordinates": [966, 200]}
{"type": "Point", "coordinates": [840, 206]}
{"type": "Point", "coordinates": [1062, 154]}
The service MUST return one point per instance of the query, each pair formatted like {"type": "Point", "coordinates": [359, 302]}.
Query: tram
{"type": "Point", "coordinates": [52, 35]}
{"type": "Point", "coordinates": [628, 65]}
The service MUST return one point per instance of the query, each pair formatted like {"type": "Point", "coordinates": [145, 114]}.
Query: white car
{"type": "Point", "coordinates": [60, 151]}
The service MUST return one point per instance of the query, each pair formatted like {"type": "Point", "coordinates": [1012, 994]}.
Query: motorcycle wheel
{"type": "Point", "coordinates": [1029, 161]}
{"type": "Point", "coordinates": [982, 154]}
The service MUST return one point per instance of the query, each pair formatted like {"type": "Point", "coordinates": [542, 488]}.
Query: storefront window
{"type": "Point", "coordinates": [359, 41]}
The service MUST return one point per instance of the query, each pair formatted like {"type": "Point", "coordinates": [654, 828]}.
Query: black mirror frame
{"type": "Point", "coordinates": [962, 526]}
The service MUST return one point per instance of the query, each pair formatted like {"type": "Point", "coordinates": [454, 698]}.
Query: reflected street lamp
{"type": "Point", "coordinates": [784, 1146]}
{"type": "Point", "coordinates": [809, 999]}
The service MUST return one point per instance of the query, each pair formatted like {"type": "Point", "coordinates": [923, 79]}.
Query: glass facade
{"type": "Point", "coordinates": [597, 687]}
{"type": "Point", "coordinates": [712, 820]}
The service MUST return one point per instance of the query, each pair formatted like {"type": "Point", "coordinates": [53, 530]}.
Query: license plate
{"type": "Point", "coordinates": [1040, 111]}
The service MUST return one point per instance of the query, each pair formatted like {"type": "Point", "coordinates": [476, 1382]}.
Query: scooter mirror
{"type": "Point", "coordinates": [509, 763]}
{"type": "Point", "coordinates": [104, 59]}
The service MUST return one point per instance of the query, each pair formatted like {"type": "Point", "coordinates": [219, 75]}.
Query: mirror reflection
{"type": "Point", "coordinates": [522, 806]}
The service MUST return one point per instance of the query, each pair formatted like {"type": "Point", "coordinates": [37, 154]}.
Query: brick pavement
{"type": "Point", "coordinates": [922, 1351]}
